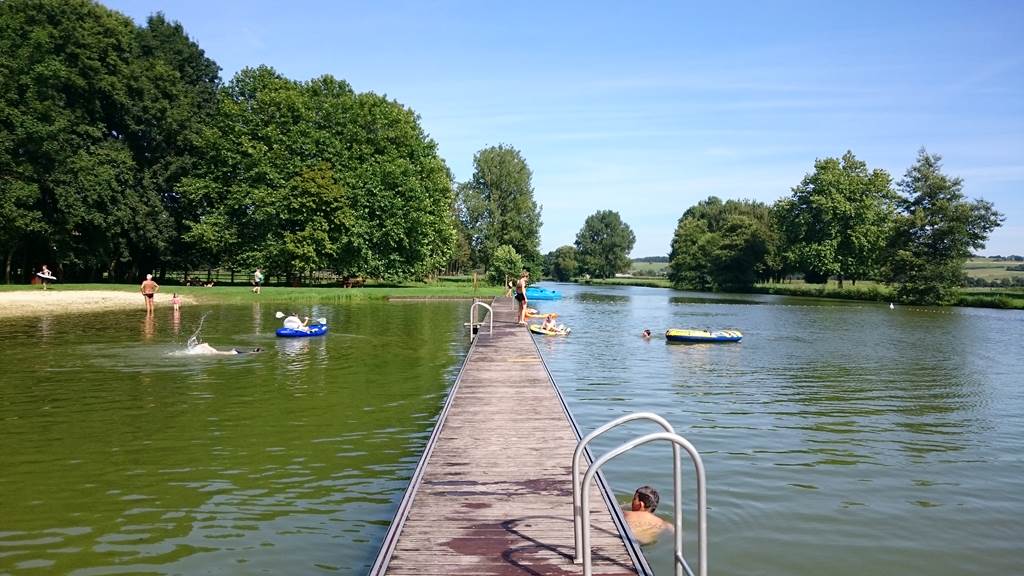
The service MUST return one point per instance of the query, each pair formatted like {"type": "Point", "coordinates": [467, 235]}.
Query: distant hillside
{"type": "Point", "coordinates": [661, 259]}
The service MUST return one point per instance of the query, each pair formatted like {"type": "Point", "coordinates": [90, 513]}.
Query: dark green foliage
{"type": "Point", "coordinates": [306, 176]}
{"type": "Point", "coordinates": [722, 246]}
{"type": "Point", "coordinates": [95, 114]}
{"type": "Point", "coordinates": [836, 221]}
{"type": "Point", "coordinates": [562, 263]}
{"type": "Point", "coordinates": [603, 245]}
{"type": "Point", "coordinates": [935, 233]}
{"type": "Point", "coordinates": [120, 153]}
{"type": "Point", "coordinates": [505, 264]}
{"type": "Point", "coordinates": [497, 207]}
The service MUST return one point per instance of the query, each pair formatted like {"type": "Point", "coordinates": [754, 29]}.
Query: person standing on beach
{"type": "Point", "coordinates": [149, 289]}
{"type": "Point", "coordinates": [45, 275]}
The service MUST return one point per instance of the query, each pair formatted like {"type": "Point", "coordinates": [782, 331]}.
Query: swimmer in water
{"type": "Point", "coordinates": [204, 349]}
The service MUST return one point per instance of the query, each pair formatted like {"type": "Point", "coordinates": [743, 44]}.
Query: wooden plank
{"type": "Point", "coordinates": [494, 496]}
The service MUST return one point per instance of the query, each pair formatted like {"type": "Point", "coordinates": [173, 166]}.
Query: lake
{"type": "Point", "coordinates": [840, 437]}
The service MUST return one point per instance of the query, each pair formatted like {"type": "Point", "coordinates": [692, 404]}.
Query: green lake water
{"type": "Point", "coordinates": [118, 454]}
{"type": "Point", "coordinates": [840, 438]}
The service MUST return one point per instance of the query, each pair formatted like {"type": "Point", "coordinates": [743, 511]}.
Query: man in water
{"type": "Point", "coordinates": [149, 289]}
{"type": "Point", "coordinates": [204, 349]}
{"type": "Point", "coordinates": [645, 526]}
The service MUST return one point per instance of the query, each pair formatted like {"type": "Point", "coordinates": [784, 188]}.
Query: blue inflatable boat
{"type": "Point", "coordinates": [311, 330]}
{"type": "Point", "coordinates": [538, 293]}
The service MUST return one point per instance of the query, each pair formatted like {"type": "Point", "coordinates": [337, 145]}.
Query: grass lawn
{"type": "Point", "coordinates": [991, 269]}
{"type": "Point", "coordinates": [243, 294]}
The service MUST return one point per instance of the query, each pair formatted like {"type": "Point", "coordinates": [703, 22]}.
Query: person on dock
{"type": "Point", "coordinates": [149, 289]}
{"type": "Point", "coordinates": [645, 526]}
{"type": "Point", "coordinates": [521, 296]}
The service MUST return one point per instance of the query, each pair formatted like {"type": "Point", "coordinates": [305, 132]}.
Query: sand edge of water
{"type": "Point", "coordinates": [46, 302]}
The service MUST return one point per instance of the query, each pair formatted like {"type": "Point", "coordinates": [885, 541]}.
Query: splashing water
{"type": "Point", "coordinates": [194, 339]}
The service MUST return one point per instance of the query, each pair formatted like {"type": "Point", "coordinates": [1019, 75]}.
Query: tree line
{"type": "Point", "coordinates": [123, 152]}
{"type": "Point", "coordinates": [842, 221]}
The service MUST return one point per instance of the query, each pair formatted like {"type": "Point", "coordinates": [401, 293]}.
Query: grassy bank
{"type": "Point", "coordinates": [284, 295]}
{"type": "Point", "coordinates": [635, 281]}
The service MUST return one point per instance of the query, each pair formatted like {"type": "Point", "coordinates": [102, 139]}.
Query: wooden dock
{"type": "Point", "coordinates": [493, 490]}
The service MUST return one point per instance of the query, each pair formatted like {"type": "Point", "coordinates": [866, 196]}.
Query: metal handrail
{"type": "Point", "coordinates": [702, 520]}
{"type": "Point", "coordinates": [472, 319]}
{"type": "Point", "coordinates": [577, 457]}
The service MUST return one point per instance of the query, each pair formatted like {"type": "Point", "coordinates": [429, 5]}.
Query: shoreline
{"type": "Point", "coordinates": [48, 302]}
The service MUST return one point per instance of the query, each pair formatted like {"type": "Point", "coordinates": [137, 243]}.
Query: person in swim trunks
{"type": "Point", "coordinates": [149, 289]}
{"type": "Point", "coordinates": [521, 296]}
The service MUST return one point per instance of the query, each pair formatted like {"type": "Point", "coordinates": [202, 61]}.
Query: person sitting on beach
{"type": "Point", "coordinates": [645, 526]}
{"type": "Point", "coordinates": [204, 349]}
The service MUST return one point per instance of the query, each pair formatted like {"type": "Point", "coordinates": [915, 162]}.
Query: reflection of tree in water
{"type": "Point", "coordinates": [711, 300]}
{"type": "Point", "coordinates": [914, 406]}
{"type": "Point", "coordinates": [595, 297]}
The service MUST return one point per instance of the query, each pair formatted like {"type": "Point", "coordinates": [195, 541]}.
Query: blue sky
{"type": "Point", "coordinates": [646, 108]}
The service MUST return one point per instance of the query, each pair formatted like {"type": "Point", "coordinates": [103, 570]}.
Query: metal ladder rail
{"type": "Point", "coordinates": [702, 520]}
{"type": "Point", "coordinates": [577, 458]}
{"type": "Point", "coordinates": [474, 325]}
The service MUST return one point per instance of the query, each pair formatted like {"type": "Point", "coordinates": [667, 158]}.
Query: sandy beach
{"type": "Point", "coordinates": [40, 302]}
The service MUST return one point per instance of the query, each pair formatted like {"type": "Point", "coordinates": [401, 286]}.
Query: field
{"type": "Point", "coordinates": [648, 269]}
{"type": "Point", "coordinates": [990, 270]}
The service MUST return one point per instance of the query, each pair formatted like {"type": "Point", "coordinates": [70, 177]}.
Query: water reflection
{"type": "Point", "coordinates": [291, 461]}
{"type": "Point", "coordinates": [893, 417]}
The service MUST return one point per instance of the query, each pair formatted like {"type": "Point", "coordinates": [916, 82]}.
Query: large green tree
{"type": "Point", "coordinates": [562, 263]}
{"type": "Point", "coordinates": [497, 206]}
{"type": "Point", "coordinates": [603, 244]}
{"type": "Point", "coordinates": [723, 245]}
{"type": "Point", "coordinates": [306, 176]}
{"type": "Point", "coordinates": [94, 113]}
{"type": "Point", "coordinates": [836, 221]}
{"type": "Point", "coordinates": [935, 233]}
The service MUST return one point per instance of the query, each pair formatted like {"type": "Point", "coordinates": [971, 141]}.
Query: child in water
{"type": "Point", "coordinates": [176, 300]}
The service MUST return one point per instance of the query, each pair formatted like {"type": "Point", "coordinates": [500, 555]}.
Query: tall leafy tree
{"type": "Point", "coordinates": [561, 263]}
{"type": "Point", "coordinates": [93, 115]}
{"type": "Point", "coordinates": [935, 232]}
{"type": "Point", "coordinates": [836, 221]}
{"type": "Point", "coordinates": [304, 176]}
{"type": "Point", "coordinates": [603, 244]}
{"type": "Point", "coordinates": [505, 264]}
{"type": "Point", "coordinates": [497, 206]}
{"type": "Point", "coordinates": [722, 245]}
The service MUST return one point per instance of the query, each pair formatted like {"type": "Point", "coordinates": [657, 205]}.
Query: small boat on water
{"type": "Point", "coordinates": [562, 331]}
{"type": "Point", "coordinates": [311, 330]}
{"type": "Point", "coordinates": [692, 336]}
{"type": "Point", "coordinates": [538, 293]}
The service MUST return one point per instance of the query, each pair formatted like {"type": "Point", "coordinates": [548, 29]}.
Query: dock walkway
{"type": "Point", "coordinates": [493, 492]}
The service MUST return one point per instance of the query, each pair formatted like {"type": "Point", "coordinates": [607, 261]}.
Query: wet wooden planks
{"type": "Point", "coordinates": [494, 495]}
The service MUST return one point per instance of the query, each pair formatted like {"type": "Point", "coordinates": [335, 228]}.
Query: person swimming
{"type": "Point", "coordinates": [204, 349]}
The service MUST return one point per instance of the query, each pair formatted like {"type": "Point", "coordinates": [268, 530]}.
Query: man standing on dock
{"type": "Point", "coordinates": [521, 296]}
